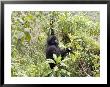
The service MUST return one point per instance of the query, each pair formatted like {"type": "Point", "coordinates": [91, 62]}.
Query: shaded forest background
{"type": "Point", "coordinates": [29, 32]}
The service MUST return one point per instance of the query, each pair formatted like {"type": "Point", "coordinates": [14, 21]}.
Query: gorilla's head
{"type": "Point", "coordinates": [52, 40]}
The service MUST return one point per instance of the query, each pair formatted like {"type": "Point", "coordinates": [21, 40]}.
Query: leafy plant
{"type": "Point", "coordinates": [77, 29]}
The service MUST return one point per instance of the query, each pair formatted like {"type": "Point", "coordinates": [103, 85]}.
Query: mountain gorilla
{"type": "Point", "coordinates": [53, 48]}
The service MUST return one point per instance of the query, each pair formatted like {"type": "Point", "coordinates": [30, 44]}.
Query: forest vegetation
{"type": "Point", "coordinates": [77, 29]}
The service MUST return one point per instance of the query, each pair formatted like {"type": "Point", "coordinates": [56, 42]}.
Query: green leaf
{"type": "Point", "coordinates": [54, 56]}
{"type": "Point", "coordinates": [56, 68]}
{"type": "Point", "coordinates": [63, 64]}
{"type": "Point", "coordinates": [27, 36]}
{"type": "Point", "coordinates": [50, 61]}
{"type": "Point", "coordinates": [57, 59]}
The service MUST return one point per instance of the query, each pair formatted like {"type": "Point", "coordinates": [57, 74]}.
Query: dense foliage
{"type": "Point", "coordinates": [29, 32]}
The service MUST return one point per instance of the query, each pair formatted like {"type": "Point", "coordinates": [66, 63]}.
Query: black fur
{"type": "Point", "coordinates": [52, 40]}
{"type": "Point", "coordinates": [53, 48]}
